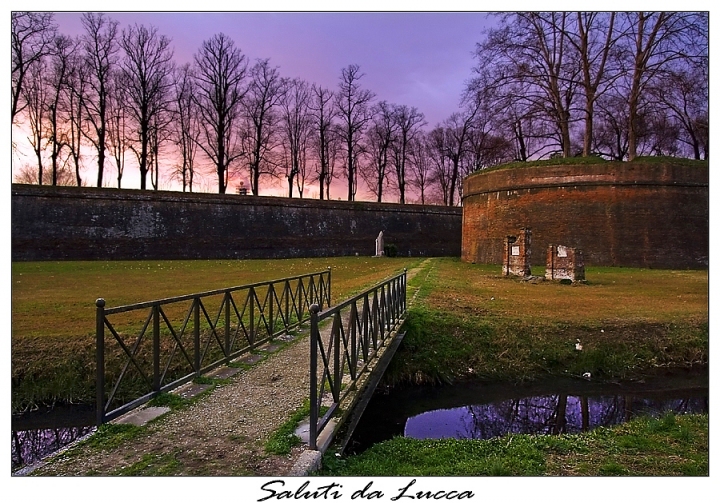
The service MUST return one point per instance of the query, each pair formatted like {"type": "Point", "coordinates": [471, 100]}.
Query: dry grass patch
{"type": "Point", "coordinates": [473, 322]}
{"type": "Point", "coordinates": [53, 308]}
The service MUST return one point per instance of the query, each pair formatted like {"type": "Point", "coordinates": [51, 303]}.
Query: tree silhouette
{"type": "Point", "coordinates": [220, 73]}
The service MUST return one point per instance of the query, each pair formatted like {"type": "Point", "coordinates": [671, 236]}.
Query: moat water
{"type": "Point", "coordinates": [480, 411]}
{"type": "Point", "coordinates": [468, 410]}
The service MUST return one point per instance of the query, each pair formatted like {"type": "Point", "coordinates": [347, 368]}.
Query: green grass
{"type": "Point", "coordinates": [470, 321]}
{"type": "Point", "coordinates": [58, 298]}
{"type": "Point", "coordinates": [111, 435]}
{"type": "Point", "coordinates": [282, 440]}
{"type": "Point", "coordinates": [53, 309]}
{"type": "Point", "coordinates": [467, 322]}
{"type": "Point", "coordinates": [669, 446]}
{"type": "Point", "coordinates": [152, 465]}
{"type": "Point", "coordinates": [170, 400]}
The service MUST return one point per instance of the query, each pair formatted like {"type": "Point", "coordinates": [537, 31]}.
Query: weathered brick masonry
{"type": "Point", "coordinates": [74, 223]}
{"type": "Point", "coordinates": [641, 214]}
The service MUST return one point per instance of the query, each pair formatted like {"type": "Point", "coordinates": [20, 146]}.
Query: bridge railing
{"type": "Point", "coordinates": [151, 347]}
{"type": "Point", "coordinates": [339, 358]}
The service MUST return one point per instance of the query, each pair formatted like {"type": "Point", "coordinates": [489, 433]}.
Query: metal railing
{"type": "Point", "coordinates": [359, 328]}
{"type": "Point", "coordinates": [158, 355]}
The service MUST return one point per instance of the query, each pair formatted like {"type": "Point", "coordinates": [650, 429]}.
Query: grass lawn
{"type": "Point", "coordinates": [467, 321]}
{"type": "Point", "coordinates": [471, 321]}
{"type": "Point", "coordinates": [669, 446]}
{"type": "Point", "coordinates": [53, 308]}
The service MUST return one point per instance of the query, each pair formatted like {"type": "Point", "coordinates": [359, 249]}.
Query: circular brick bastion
{"type": "Point", "coordinates": [651, 212]}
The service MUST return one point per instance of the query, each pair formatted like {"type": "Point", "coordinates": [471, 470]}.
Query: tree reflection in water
{"type": "Point", "coordinates": [550, 414]}
{"type": "Point", "coordinates": [32, 445]}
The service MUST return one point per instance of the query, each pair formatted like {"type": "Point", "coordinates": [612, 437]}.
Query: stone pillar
{"type": "Point", "coordinates": [516, 254]}
{"type": "Point", "coordinates": [380, 245]}
{"type": "Point", "coordinates": [564, 263]}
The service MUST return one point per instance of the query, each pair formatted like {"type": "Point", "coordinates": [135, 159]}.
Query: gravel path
{"type": "Point", "coordinates": [221, 434]}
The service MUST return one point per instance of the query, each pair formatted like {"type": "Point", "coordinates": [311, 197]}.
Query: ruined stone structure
{"type": "Point", "coordinates": [564, 263]}
{"type": "Point", "coordinates": [380, 245]}
{"type": "Point", "coordinates": [78, 223]}
{"type": "Point", "coordinates": [645, 213]}
{"type": "Point", "coordinates": [516, 254]}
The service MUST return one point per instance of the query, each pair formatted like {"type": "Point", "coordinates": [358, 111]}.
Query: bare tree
{"type": "Point", "coordinates": [260, 121]}
{"type": "Point", "coordinates": [147, 69]}
{"type": "Point", "coordinates": [682, 96]}
{"type": "Point", "coordinates": [509, 100]}
{"type": "Point", "coordinates": [334, 154]}
{"type": "Point", "coordinates": [296, 126]}
{"type": "Point", "coordinates": [29, 174]}
{"type": "Point", "coordinates": [488, 149]}
{"type": "Point", "coordinates": [438, 147]}
{"type": "Point", "coordinates": [35, 96]}
{"type": "Point", "coordinates": [458, 128]}
{"type": "Point", "coordinates": [488, 144]}
{"type": "Point", "coordinates": [380, 135]}
{"type": "Point", "coordinates": [654, 41]}
{"type": "Point", "coordinates": [594, 40]}
{"type": "Point", "coordinates": [100, 47]}
{"type": "Point", "coordinates": [117, 129]}
{"type": "Point", "coordinates": [187, 127]}
{"type": "Point", "coordinates": [531, 49]}
{"type": "Point", "coordinates": [353, 105]}
{"type": "Point", "coordinates": [420, 165]}
{"type": "Point", "coordinates": [323, 113]}
{"type": "Point", "coordinates": [160, 134]}
{"type": "Point", "coordinates": [31, 39]}
{"type": "Point", "coordinates": [610, 138]}
{"type": "Point", "coordinates": [221, 70]}
{"type": "Point", "coordinates": [60, 67]}
{"type": "Point", "coordinates": [77, 84]}
{"type": "Point", "coordinates": [409, 121]}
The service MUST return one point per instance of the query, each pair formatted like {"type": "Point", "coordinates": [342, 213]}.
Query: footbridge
{"type": "Point", "coordinates": [254, 338]}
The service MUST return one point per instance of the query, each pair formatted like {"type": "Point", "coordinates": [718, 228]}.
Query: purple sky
{"type": "Point", "coordinates": [419, 59]}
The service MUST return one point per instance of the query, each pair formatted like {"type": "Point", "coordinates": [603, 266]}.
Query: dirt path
{"type": "Point", "coordinates": [221, 434]}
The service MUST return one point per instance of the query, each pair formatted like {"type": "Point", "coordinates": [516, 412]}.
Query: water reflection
{"type": "Point", "coordinates": [29, 446]}
{"type": "Point", "coordinates": [37, 434]}
{"type": "Point", "coordinates": [479, 410]}
{"type": "Point", "coordinates": [550, 414]}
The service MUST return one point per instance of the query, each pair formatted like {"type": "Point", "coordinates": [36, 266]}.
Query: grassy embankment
{"type": "Point", "coordinates": [470, 322]}
{"type": "Point", "coordinates": [53, 308]}
{"type": "Point", "coordinates": [669, 446]}
{"type": "Point", "coordinates": [467, 322]}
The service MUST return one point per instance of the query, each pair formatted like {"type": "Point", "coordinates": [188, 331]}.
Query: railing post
{"type": "Point", "coordinates": [329, 286]}
{"type": "Point", "coordinates": [156, 347]}
{"type": "Point", "coordinates": [314, 412]}
{"type": "Point", "coordinates": [366, 326]}
{"type": "Point", "coordinates": [227, 324]}
{"type": "Point", "coordinates": [311, 291]}
{"type": "Point", "coordinates": [100, 360]}
{"type": "Point", "coordinates": [404, 290]}
{"type": "Point", "coordinates": [251, 296]}
{"type": "Point", "coordinates": [337, 374]}
{"type": "Point", "coordinates": [353, 339]}
{"type": "Point", "coordinates": [287, 294]}
{"type": "Point", "coordinates": [196, 334]}
{"type": "Point", "coordinates": [271, 297]}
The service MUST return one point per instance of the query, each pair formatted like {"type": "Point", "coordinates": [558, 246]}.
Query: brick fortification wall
{"type": "Point", "coordinates": [72, 223]}
{"type": "Point", "coordinates": [633, 214]}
